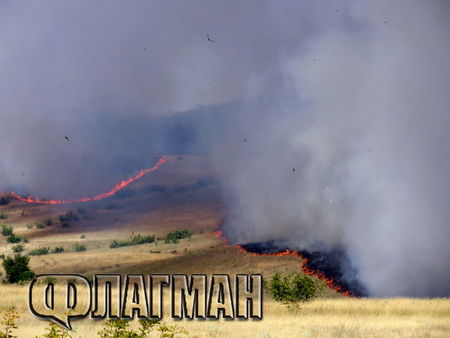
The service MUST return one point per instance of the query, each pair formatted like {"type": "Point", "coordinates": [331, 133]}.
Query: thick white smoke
{"type": "Point", "coordinates": [365, 125]}
{"type": "Point", "coordinates": [338, 135]}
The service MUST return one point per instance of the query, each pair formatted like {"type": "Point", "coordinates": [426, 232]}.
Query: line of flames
{"type": "Point", "coordinates": [121, 185]}
{"type": "Point", "coordinates": [303, 265]}
{"type": "Point", "coordinates": [218, 234]}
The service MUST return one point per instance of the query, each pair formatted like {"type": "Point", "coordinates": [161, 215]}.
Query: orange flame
{"type": "Point", "coordinates": [304, 264]}
{"type": "Point", "coordinates": [121, 185]}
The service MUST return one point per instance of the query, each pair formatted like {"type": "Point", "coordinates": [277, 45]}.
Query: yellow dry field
{"type": "Point", "coordinates": [184, 194]}
{"type": "Point", "coordinates": [323, 317]}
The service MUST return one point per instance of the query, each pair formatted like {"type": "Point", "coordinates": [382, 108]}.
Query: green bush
{"type": "Point", "coordinates": [17, 268]}
{"type": "Point", "coordinates": [176, 235]}
{"type": "Point", "coordinates": [8, 322]}
{"type": "Point", "coordinates": [54, 331]}
{"type": "Point", "coordinates": [133, 240]}
{"type": "Point", "coordinates": [29, 226]}
{"type": "Point", "coordinates": [293, 288]}
{"type": "Point", "coordinates": [6, 230]}
{"type": "Point", "coordinates": [58, 249]}
{"type": "Point", "coordinates": [3, 215]}
{"type": "Point", "coordinates": [80, 247]}
{"type": "Point", "coordinates": [16, 239]}
{"type": "Point", "coordinates": [18, 248]}
{"type": "Point", "coordinates": [43, 250]}
{"type": "Point", "coordinates": [40, 226]}
{"type": "Point", "coordinates": [119, 328]}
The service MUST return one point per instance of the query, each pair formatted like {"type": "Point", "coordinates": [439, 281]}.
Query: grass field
{"type": "Point", "coordinates": [178, 197]}
{"type": "Point", "coordinates": [323, 317]}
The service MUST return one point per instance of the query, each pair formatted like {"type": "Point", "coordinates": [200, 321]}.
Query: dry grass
{"type": "Point", "coordinates": [323, 317]}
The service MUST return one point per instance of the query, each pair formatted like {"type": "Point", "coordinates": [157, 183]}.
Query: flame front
{"type": "Point", "coordinates": [304, 264]}
{"type": "Point", "coordinates": [304, 267]}
{"type": "Point", "coordinates": [121, 185]}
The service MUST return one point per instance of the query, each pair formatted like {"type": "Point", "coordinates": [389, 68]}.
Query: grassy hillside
{"type": "Point", "coordinates": [185, 194]}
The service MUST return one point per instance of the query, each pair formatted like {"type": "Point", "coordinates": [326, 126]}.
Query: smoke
{"type": "Point", "coordinates": [328, 124]}
{"type": "Point", "coordinates": [351, 149]}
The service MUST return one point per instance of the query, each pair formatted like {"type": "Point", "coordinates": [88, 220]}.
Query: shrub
{"type": "Point", "coordinates": [171, 331]}
{"type": "Point", "coordinates": [40, 226]}
{"type": "Point", "coordinates": [80, 247]}
{"type": "Point", "coordinates": [6, 230]}
{"type": "Point", "coordinates": [293, 288]}
{"type": "Point", "coordinates": [68, 217]}
{"type": "Point", "coordinates": [65, 224]}
{"type": "Point", "coordinates": [176, 235]}
{"type": "Point", "coordinates": [8, 322]}
{"type": "Point", "coordinates": [17, 268]}
{"type": "Point", "coordinates": [48, 221]}
{"type": "Point", "coordinates": [29, 226]}
{"type": "Point", "coordinates": [54, 331]}
{"type": "Point", "coordinates": [58, 249]}
{"type": "Point", "coordinates": [3, 215]}
{"type": "Point", "coordinates": [18, 248]}
{"type": "Point", "coordinates": [133, 240]}
{"type": "Point", "coordinates": [43, 250]}
{"type": "Point", "coordinates": [4, 200]}
{"type": "Point", "coordinates": [119, 328]}
{"type": "Point", "coordinates": [14, 239]}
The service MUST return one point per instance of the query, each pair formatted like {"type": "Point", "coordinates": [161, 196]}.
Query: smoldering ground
{"type": "Point", "coordinates": [327, 123]}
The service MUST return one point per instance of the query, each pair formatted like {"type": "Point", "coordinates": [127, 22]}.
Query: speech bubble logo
{"type": "Point", "coordinates": [60, 298]}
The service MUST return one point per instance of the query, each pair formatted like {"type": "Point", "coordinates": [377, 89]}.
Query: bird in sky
{"type": "Point", "coordinates": [67, 138]}
{"type": "Point", "coordinates": [209, 39]}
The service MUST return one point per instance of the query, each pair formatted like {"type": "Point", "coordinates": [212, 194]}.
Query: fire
{"type": "Point", "coordinates": [304, 264]}
{"type": "Point", "coordinates": [121, 185]}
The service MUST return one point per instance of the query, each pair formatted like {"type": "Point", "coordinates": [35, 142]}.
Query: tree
{"type": "Point", "coordinates": [17, 268]}
{"type": "Point", "coordinates": [293, 288]}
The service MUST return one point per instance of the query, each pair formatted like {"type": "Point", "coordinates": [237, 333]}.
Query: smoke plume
{"type": "Point", "coordinates": [328, 124]}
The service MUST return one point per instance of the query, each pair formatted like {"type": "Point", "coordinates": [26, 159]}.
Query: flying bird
{"type": "Point", "coordinates": [293, 169]}
{"type": "Point", "coordinates": [210, 40]}
{"type": "Point", "coordinates": [67, 139]}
